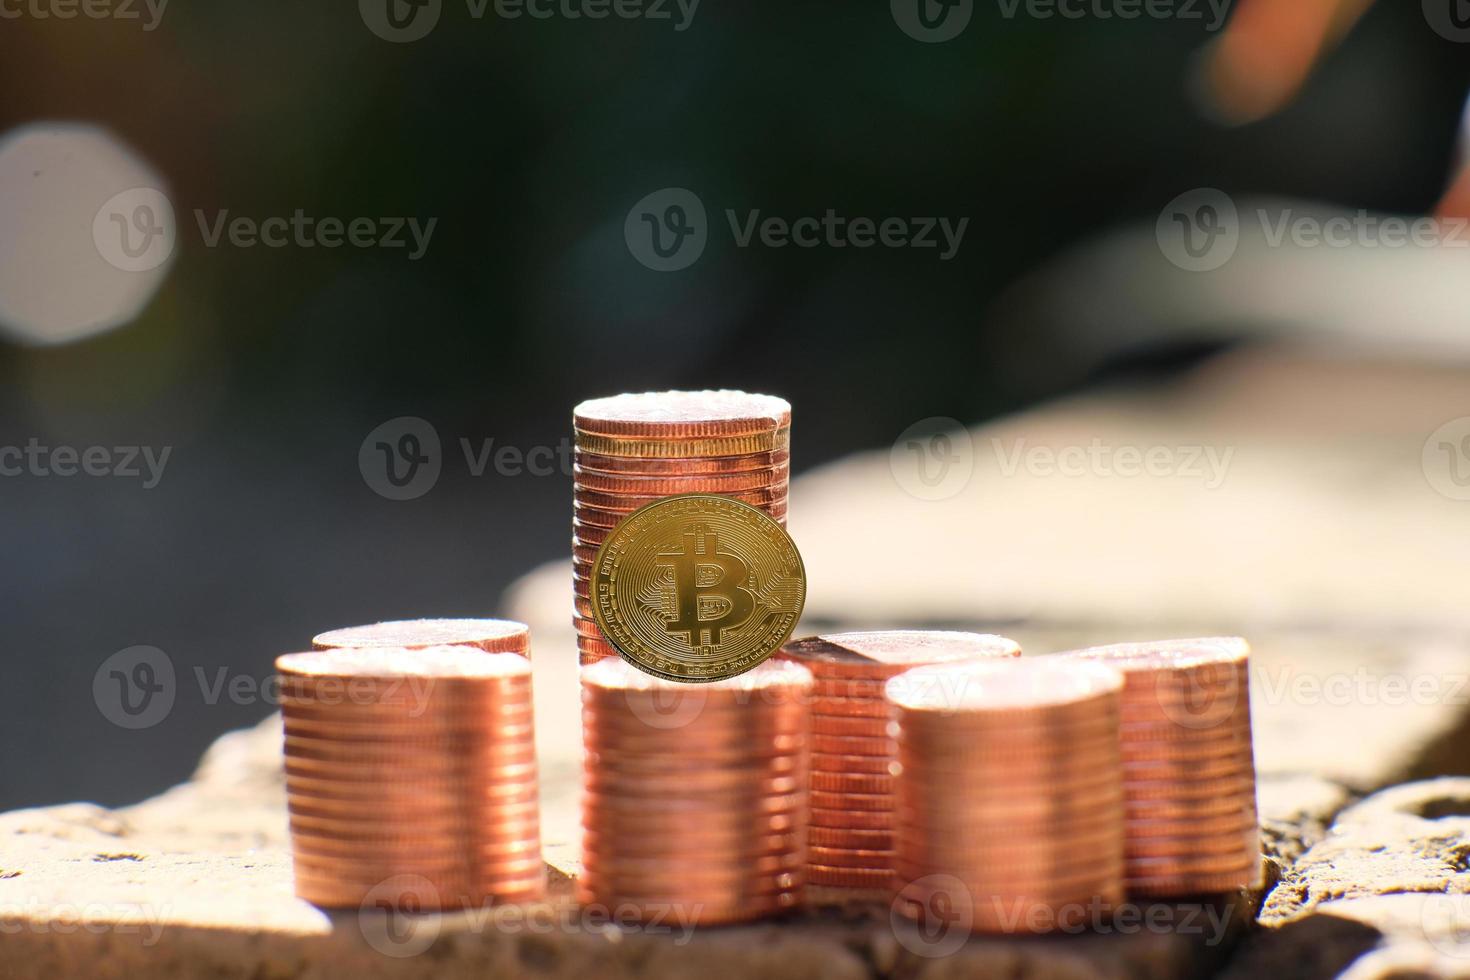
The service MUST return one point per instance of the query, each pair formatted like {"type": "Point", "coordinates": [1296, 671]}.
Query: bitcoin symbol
{"type": "Point", "coordinates": [708, 592]}
{"type": "Point", "coordinates": [697, 587]}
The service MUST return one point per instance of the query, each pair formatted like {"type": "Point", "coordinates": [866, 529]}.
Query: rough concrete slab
{"type": "Point", "coordinates": [1385, 894]}
{"type": "Point", "coordinates": [198, 882]}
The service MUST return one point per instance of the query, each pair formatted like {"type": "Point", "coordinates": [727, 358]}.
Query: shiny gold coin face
{"type": "Point", "coordinates": [697, 587]}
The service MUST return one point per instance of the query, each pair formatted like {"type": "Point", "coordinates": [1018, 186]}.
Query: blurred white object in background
{"type": "Point", "coordinates": [87, 233]}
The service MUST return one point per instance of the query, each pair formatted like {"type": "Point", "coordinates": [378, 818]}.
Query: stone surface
{"type": "Point", "coordinates": [198, 882]}
{"type": "Point", "coordinates": [1385, 893]}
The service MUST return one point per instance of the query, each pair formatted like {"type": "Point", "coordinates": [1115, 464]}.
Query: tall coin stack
{"type": "Point", "coordinates": [490, 635]}
{"type": "Point", "coordinates": [1189, 774]}
{"type": "Point", "coordinates": [411, 763]}
{"type": "Point", "coordinates": [634, 449]}
{"type": "Point", "coordinates": [1010, 793]}
{"type": "Point", "coordinates": [694, 796]}
{"type": "Point", "coordinates": [852, 788]}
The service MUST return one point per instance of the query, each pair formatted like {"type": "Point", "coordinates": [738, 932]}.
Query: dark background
{"type": "Point", "coordinates": [264, 369]}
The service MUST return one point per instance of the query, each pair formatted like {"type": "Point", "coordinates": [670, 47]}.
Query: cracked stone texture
{"type": "Point", "coordinates": [1322, 542]}
{"type": "Point", "coordinates": [198, 882]}
{"type": "Point", "coordinates": [1387, 891]}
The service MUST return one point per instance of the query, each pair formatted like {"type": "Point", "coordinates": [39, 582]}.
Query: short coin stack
{"type": "Point", "coordinates": [635, 449]}
{"type": "Point", "coordinates": [852, 788]}
{"type": "Point", "coordinates": [694, 796]}
{"type": "Point", "coordinates": [1188, 768]}
{"type": "Point", "coordinates": [1010, 793]}
{"type": "Point", "coordinates": [411, 763]}
{"type": "Point", "coordinates": [490, 635]}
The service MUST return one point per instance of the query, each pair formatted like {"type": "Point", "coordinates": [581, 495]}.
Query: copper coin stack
{"type": "Point", "coordinates": [1189, 775]}
{"type": "Point", "coordinates": [634, 449]}
{"type": "Point", "coordinates": [694, 796]}
{"type": "Point", "coordinates": [852, 786]}
{"type": "Point", "coordinates": [1010, 792]}
{"type": "Point", "coordinates": [490, 635]}
{"type": "Point", "coordinates": [411, 763]}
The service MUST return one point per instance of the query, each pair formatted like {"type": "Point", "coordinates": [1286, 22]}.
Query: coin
{"type": "Point", "coordinates": [709, 813]}
{"type": "Point", "coordinates": [682, 414]}
{"type": "Point", "coordinates": [771, 499]}
{"type": "Point", "coordinates": [1189, 775]}
{"type": "Point", "coordinates": [840, 707]}
{"type": "Point", "coordinates": [639, 485]}
{"type": "Point", "coordinates": [831, 725]}
{"type": "Point", "coordinates": [843, 857]}
{"type": "Point", "coordinates": [837, 837]}
{"type": "Point", "coordinates": [853, 819]}
{"type": "Point", "coordinates": [490, 635]}
{"type": "Point", "coordinates": [778, 440]}
{"type": "Point", "coordinates": [687, 466]}
{"type": "Point", "coordinates": [851, 782]}
{"type": "Point", "coordinates": [413, 761]}
{"type": "Point", "coordinates": [852, 764]}
{"type": "Point", "coordinates": [821, 874]}
{"type": "Point", "coordinates": [1037, 814]}
{"type": "Point", "coordinates": [698, 588]}
{"type": "Point", "coordinates": [853, 745]}
{"type": "Point", "coordinates": [881, 655]}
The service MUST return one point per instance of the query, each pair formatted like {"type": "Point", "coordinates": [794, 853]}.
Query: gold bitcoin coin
{"type": "Point", "coordinates": [697, 587]}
